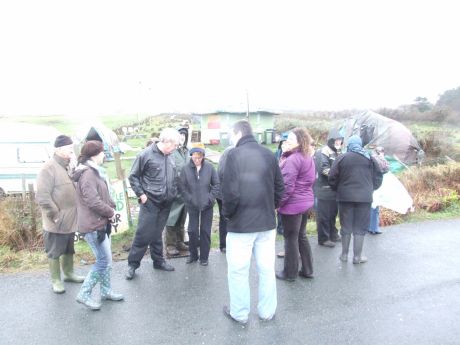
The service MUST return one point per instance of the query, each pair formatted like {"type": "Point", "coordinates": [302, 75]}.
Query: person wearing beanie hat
{"type": "Point", "coordinates": [57, 200]}
{"type": "Point", "coordinates": [199, 186]}
{"type": "Point", "coordinates": [96, 210]}
{"type": "Point", "coordinates": [175, 225]}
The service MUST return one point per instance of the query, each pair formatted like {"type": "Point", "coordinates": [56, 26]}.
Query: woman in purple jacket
{"type": "Point", "coordinates": [298, 171]}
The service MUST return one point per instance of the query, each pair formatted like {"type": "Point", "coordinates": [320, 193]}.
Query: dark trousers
{"type": "Point", "coordinates": [222, 227]}
{"type": "Point", "coordinates": [152, 220]}
{"type": "Point", "coordinates": [354, 217]}
{"type": "Point", "coordinates": [279, 224]}
{"type": "Point", "coordinates": [295, 242]}
{"type": "Point", "coordinates": [326, 214]}
{"type": "Point", "coordinates": [199, 226]}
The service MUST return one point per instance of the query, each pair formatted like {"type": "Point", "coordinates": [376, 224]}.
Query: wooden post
{"type": "Point", "coordinates": [121, 176]}
{"type": "Point", "coordinates": [24, 190]}
{"type": "Point", "coordinates": [33, 214]}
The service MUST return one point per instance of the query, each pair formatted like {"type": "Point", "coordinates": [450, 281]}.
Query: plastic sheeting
{"type": "Point", "coordinates": [392, 195]}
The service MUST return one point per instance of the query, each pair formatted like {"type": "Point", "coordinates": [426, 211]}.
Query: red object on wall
{"type": "Point", "coordinates": [214, 141]}
{"type": "Point", "coordinates": [214, 122]}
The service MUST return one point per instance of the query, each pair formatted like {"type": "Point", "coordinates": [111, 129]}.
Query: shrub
{"type": "Point", "coordinates": [433, 188]}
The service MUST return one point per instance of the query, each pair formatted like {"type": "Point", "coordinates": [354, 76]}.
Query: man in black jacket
{"type": "Point", "coordinates": [252, 188]}
{"type": "Point", "coordinates": [153, 179]}
{"type": "Point", "coordinates": [326, 208]}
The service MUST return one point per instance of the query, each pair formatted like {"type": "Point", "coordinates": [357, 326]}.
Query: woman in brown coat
{"type": "Point", "coordinates": [95, 209]}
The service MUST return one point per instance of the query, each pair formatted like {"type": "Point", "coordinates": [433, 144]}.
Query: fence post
{"type": "Point", "coordinates": [33, 214]}
{"type": "Point", "coordinates": [121, 176]}
{"type": "Point", "coordinates": [24, 190]}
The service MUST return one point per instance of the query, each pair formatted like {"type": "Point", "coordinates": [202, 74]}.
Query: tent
{"type": "Point", "coordinates": [401, 147]}
{"type": "Point", "coordinates": [97, 131]}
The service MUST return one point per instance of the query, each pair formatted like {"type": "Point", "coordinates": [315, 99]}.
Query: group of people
{"type": "Point", "coordinates": [252, 188]}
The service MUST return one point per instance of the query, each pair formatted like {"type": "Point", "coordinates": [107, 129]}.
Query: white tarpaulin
{"type": "Point", "coordinates": [392, 195]}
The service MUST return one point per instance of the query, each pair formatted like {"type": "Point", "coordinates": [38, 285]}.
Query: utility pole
{"type": "Point", "coordinates": [247, 103]}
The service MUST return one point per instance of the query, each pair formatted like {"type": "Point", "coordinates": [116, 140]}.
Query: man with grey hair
{"type": "Point", "coordinates": [153, 179]}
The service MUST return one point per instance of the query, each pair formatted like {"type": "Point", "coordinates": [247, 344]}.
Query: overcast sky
{"type": "Point", "coordinates": [83, 58]}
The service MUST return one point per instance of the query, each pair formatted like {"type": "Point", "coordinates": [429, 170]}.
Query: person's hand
{"type": "Point", "coordinates": [143, 198]}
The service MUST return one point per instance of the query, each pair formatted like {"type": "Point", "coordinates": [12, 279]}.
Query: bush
{"type": "Point", "coordinates": [433, 188]}
{"type": "Point", "coordinates": [18, 224]}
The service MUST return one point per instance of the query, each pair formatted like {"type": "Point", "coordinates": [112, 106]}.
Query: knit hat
{"type": "Point", "coordinates": [197, 147]}
{"type": "Point", "coordinates": [62, 140]}
{"type": "Point", "coordinates": [91, 148]}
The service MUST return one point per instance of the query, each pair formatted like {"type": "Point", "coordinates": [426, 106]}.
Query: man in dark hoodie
{"type": "Point", "coordinates": [327, 209]}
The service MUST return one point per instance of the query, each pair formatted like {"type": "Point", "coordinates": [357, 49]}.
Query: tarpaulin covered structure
{"type": "Point", "coordinates": [401, 147]}
{"type": "Point", "coordinates": [98, 131]}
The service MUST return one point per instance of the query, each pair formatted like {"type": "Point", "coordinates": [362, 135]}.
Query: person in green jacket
{"type": "Point", "coordinates": [175, 230]}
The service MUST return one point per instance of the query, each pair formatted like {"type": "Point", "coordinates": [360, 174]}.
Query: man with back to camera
{"type": "Point", "coordinates": [252, 189]}
{"type": "Point", "coordinates": [153, 178]}
{"type": "Point", "coordinates": [57, 198]}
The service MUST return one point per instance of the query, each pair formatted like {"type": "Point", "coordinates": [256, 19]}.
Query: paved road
{"type": "Point", "coordinates": [408, 293]}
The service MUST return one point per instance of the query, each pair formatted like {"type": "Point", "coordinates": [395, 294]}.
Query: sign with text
{"type": "Point", "coordinates": [121, 213]}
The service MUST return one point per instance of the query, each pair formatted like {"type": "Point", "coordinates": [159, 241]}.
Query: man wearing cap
{"type": "Point", "coordinates": [57, 199]}
{"type": "Point", "coordinates": [175, 231]}
{"type": "Point", "coordinates": [153, 178]}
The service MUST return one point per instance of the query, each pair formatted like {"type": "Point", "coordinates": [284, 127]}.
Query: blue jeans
{"type": "Point", "coordinates": [240, 247]}
{"type": "Point", "coordinates": [375, 217]}
{"type": "Point", "coordinates": [102, 252]}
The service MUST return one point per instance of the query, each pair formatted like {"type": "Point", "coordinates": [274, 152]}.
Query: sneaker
{"type": "Point", "coordinates": [328, 244]}
{"type": "Point", "coordinates": [164, 266]}
{"type": "Point", "coordinates": [204, 262]}
{"type": "Point", "coordinates": [226, 311]}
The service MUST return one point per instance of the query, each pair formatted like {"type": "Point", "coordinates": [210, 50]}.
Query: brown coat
{"type": "Point", "coordinates": [94, 204]}
{"type": "Point", "coordinates": [56, 197]}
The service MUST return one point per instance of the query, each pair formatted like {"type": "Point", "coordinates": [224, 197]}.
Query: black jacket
{"type": "Point", "coordinates": [252, 187]}
{"type": "Point", "coordinates": [154, 175]}
{"type": "Point", "coordinates": [352, 176]}
{"type": "Point", "coordinates": [199, 189]}
{"type": "Point", "coordinates": [324, 158]}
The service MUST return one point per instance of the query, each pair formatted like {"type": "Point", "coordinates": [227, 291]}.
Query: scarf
{"type": "Point", "coordinates": [355, 144]}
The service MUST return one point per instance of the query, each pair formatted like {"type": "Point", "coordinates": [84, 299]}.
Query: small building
{"type": "Point", "coordinates": [216, 127]}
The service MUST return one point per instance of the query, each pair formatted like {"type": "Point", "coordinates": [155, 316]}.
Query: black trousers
{"type": "Point", "coordinates": [222, 227]}
{"type": "Point", "coordinates": [152, 220]}
{"type": "Point", "coordinates": [199, 226]}
{"type": "Point", "coordinates": [326, 214]}
{"type": "Point", "coordinates": [295, 243]}
{"type": "Point", "coordinates": [354, 217]}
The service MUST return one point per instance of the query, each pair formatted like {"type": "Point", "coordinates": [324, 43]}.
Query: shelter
{"type": "Point", "coordinates": [97, 131]}
{"type": "Point", "coordinates": [401, 147]}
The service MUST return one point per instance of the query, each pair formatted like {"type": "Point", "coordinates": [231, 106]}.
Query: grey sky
{"type": "Point", "coordinates": [117, 57]}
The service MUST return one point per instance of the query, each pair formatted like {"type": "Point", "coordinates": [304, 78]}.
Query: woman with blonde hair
{"type": "Point", "coordinates": [298, 171]}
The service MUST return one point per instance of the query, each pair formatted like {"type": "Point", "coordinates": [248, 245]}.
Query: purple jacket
{"type": "Point", "coordinates": [299, 176]}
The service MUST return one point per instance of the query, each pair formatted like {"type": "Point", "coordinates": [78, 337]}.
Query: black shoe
{"type": "Point", "coordinates": [337, 239]}
{"type": "Point", "coordinates": [223, 250]}
{"type": "Point", "coordinates": [303, 275]}
{"type": "Point", "coordinates": [226, 311]}
{"type": "Point", "coordinates": [204, 262]}
{"type": "Point", "coordinates": [281, 276]}
{"type": "Point", "coordinates": [164, 266]}
{"type": "Point", "coordinates": [327, 243]}
{"type": "Point", "coordinates": [190, 260]}
{"type": "Point", "coordinates": [131, 272]}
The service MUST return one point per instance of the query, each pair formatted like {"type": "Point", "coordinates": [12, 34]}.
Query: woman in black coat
{"type": "Point", "coordinates": [199, 185]}
{"type": "Point", "coordinates": [355, 177]}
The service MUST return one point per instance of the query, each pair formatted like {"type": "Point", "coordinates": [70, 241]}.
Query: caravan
{"type": "Point", "coordinates": [23, 150]}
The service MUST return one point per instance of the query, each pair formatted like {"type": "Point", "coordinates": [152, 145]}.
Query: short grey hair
{"type": "Point", "coordinates": [169, 135]}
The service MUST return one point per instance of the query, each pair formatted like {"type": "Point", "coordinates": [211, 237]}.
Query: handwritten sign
{"type": "Point", "coordinates": [121, 214]}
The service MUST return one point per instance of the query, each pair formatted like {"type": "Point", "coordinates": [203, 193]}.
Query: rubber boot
{"type": "Point", "coordinates": [67, 269]}
{"type": "Point", "coordinates": [171, 240]}
{"type": "Point", "coordinates": [180, 245]}
{"type": "Point", "coordinates": [358, 241]}
{"type": "Point", "coordinates": [345, 245]}
{"type": "Point", "coordinates": [106, 288]}
{"type": "Point", "coordinates": [55, 270]}
{"type": "Point", "coordinates": [84, 295]}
